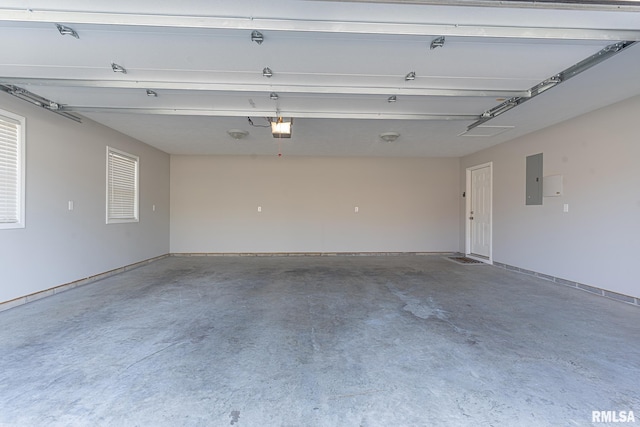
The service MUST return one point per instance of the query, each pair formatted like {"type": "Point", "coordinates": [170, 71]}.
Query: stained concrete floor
{"type": "Point", "coordinates": [318, 341]}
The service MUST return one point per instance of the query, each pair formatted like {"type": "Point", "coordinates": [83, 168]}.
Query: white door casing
{"type": "Point", "coordinates": [479, 212]}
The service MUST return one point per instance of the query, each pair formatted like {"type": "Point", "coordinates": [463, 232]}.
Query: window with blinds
{"type": "Point", "coordinates": [122, 187]}
{"type": "Point", "coordinates": [12, 164]}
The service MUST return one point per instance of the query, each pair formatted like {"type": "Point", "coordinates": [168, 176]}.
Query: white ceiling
{"type": "Point", "coordinates": [334, 65]}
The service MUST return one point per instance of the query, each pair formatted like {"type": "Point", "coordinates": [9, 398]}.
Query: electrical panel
{"type": "Point", "coordinates": [534, 180]}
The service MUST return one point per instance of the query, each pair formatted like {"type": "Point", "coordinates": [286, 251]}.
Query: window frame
{"type": "Point", "coordinates": [136, 201]}
{"type": "Point", "coordinates": [20, 123]}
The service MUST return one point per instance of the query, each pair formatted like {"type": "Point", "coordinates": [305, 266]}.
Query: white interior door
{"type": "Point", "coordinates": [479, 188]}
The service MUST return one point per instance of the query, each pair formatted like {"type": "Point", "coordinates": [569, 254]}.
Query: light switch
{"type": "Point", "coordinates": [356, 209]}
{"type": "Point", "coordinates": [565, 208]}
{"type": "Point", "coordinates": [259, 208]}
{"type": "Point", "coordinates": [153, 208]}
{"type": "Point", "coordinates": [70, 205]}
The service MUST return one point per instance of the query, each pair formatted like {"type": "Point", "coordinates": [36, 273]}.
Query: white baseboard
{"type": "Point", "coordinates": [76, 283]}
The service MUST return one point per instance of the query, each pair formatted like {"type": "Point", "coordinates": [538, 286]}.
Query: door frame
{"type": "Point", "coordinates": [467, 213]}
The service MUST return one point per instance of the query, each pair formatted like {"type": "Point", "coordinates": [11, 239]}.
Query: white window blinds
{"type": "Point", "coordinates": [122, 186]}
{"type": "Point", "coordinates": [11, 171]}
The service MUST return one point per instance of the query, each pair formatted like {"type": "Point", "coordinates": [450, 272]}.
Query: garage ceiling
{"type": "Point", "coordinates": [338, 69]}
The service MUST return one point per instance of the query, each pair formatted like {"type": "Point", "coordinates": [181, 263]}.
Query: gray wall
{"type": "Point", "coordinates": [308, 204]}
{"type": "Point", "coordinates": [66, 161]}
{"type": "Point", "coordinates": [595, 243]}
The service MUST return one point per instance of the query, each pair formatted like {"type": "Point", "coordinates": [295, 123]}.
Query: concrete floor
{"type": "Point", "coordinates": [318, 341]}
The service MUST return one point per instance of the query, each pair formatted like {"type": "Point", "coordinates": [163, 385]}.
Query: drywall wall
{"type": "Point", "coordinates": [308, 204]}
{"type": "Point", "coordinates": [66, 161]}
{"type": "Point", "coordinates": [595, 242]}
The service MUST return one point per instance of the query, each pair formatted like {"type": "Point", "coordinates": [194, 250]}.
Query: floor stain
{"type": "Point", "coordinates": [235, 417]}
{"type": "Point", "coordinates": [423, 309]}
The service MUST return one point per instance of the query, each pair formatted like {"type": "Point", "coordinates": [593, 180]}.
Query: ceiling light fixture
{"type": "Point", "coordinates": [237, 133]}
{"type": "Point", "coordinates": [392, 98]}
{"type": "Point", "coordinates": [439, 42]}
{"type": "Point", "coordinates": [266, 72]}
{"type": "Point", "coordinates": [281, 128]}
{"type": "Point", "coordinates": [410, 76]}
{"type": "Point", "coordinates": [389, 136]}
{"type": "Point", "coordinates": [256, 36]}
{"type": "Point", "coordinates": [273, 96]}
{"type": "Point", "coordinates": [553, 81]}
{"type": "Point", "coordinates": [118, 68]}
{"type": "Point", "coordinates": [66, 31]}
{"type": "Point", "coordinates": [152, 93]}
